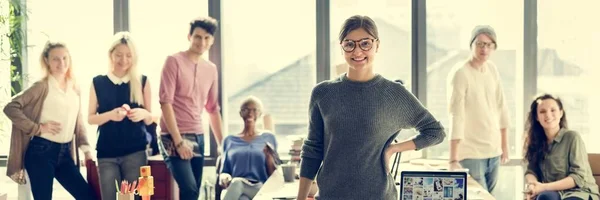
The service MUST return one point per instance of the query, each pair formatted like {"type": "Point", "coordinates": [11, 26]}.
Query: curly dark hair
{"type": "Point", "coordinates": [209, 24]}
{"type": "Point", "coordinates": [536, 142]}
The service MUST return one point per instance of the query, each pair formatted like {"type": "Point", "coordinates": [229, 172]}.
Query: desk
{"type": "Point", "coordinates": [276, 187]}
{"type": "Point", "coordinates": [165, 187]}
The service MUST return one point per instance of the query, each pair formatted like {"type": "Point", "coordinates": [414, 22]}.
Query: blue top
{"type": "Point", "coordinates": [246, 159]}
{"type": "Point", "coordinates": [116, 139]}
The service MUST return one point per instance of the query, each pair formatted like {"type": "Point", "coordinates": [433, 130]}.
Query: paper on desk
{"type": "Point", "coordinates": [3, 194]}
{"type": "Point", "coordinates": [274, 183]}
{"type": "Point", "coordinates": [473, 193]}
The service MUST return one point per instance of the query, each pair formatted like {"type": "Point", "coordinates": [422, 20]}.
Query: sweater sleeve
{"type": "Point", "coordinates": [14, 109]}
{"type": "Point", "coordinates": [457, 88]}
{"type": "Point", "coordinates": [501, 100]}
{"type": "Point", "coordinates": [312, 150]}
{"type": "Point", "coordinates": [431, 131]}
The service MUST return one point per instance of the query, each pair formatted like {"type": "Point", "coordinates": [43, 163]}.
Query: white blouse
{"type": "Point", "coordinates": [61, 106]}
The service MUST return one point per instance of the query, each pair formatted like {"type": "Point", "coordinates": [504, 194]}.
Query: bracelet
{"type": "Point", "coordinates": [453, 161]}
{"type": "Point", "coordinates": [179, 144]}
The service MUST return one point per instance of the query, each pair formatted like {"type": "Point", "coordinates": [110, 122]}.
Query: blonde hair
{"type": "Point", "coordinates": [44, 59]}
{"type": "Point", "coordinates": [135, 78]}
{"type": "Point", "coordinates": [252, 99]}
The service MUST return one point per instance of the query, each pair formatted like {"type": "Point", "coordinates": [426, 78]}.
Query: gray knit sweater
{"type": "Point", "coordinates": [350, 125]}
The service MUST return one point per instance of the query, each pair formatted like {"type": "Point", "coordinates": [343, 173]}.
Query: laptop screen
{"type": "Point", "coordinates": [433, 185]}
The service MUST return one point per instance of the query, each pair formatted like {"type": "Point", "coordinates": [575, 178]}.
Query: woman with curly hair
{"type": "Point", "coordinates": [549, 175]}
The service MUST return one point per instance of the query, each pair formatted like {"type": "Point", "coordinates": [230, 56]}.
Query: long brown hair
{"type": "Point", "coordinates": [536, 142]}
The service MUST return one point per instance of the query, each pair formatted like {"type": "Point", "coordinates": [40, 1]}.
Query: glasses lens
{"type": "Point", "coordinates": [366, 44]}
{"type": "Point", "coordinates": [348, 46]}
{"type": "Point", "coordinates": [485, 44]}
{"type": "Point", "coordinates": [247, 110]}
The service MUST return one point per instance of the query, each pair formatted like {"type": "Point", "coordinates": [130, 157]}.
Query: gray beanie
{"type": "Point", "coordinates": [483, 29]}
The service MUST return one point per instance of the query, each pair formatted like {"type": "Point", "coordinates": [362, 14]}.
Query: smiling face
{"type": "Point", "coordinates": [549, 114]}
{"type": "Point", "coordinates": [58, 61]}
{"type": "Point", "coordinates": [200, 41]}
{"type": "Point", "coordinates": [250, 111]}
{"type": "Point", "coordinates": [360, 49]}
{"type": "Point", "coordinates": [121, 58]}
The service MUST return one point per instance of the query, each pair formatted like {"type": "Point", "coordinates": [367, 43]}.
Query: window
{"type": "Point", "coordinates": [271, 55]}
{"type": "Point", "coordinates": [160, 29]}
{"type": "Point", "coordinates": [393, 20]}
{"type": "Point", "coordinates": [86, 32]}
{"type": "Point", "coordinates": [567, 64]}
{"type": "Point", "coordinates": [449, 26]}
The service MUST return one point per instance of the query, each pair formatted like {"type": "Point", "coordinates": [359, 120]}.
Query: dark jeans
{"type": "Point", "coordinates": [554, 195]}
{"type": "Point", "coordinates": [46, 160]}
{"type": "Point", "coordinates": [120, 168]}
{"type": "Point", "coordinates": [187, 173]}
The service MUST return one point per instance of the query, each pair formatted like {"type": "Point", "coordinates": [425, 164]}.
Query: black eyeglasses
{"type": "Point", "coordinates": [364, 44]}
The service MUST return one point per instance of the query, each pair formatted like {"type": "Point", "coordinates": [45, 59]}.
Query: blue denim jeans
{"type": "Point", "coordinates": [46, 160]}
{"type": "Point", "coordinates": [120, 168]}
{"type": "Point", "coordinates": [548, 195]}
{"type": "Point", "coordinates": [484, 171]}
{"type": "Point", "coordinates": [187, 173]}
{"type": "Point", "coordinates": [554, 195]}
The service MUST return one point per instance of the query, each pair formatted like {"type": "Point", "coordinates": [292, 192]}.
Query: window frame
{"type": "Point", "coordinates": [418, 82]}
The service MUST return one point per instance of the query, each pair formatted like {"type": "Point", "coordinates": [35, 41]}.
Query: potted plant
{"type": "Point", "coordinates": [12, 35]}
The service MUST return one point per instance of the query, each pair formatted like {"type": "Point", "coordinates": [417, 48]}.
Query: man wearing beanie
{"type": "Point", "coordinates": [478, 112]}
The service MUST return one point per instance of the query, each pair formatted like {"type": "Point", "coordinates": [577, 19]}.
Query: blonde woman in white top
{"type": "Point", "coordinates": [47, 129]}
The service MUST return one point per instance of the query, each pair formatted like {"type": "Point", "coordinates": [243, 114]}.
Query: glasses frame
{"type": "Point", "coordinates": [489, 45]}
{"type": "Point", "coordinates": [248, 110]}
{"type": "Point", "coordinates": [373, 40]}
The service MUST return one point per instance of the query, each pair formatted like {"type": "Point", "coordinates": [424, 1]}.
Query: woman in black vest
{"type": "Point", "coordinates": [120, 105]}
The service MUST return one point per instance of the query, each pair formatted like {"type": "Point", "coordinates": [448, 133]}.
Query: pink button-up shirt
{"type": "Point", "coordinates": [189, 88]}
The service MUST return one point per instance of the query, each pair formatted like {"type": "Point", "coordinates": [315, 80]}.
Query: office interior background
{"type": "Point", "coordinates": [278, 50]}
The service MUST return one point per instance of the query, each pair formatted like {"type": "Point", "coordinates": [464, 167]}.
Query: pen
{"type": "Point", "coordinates": [117, 186]}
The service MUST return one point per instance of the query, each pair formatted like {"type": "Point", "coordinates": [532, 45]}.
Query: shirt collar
{"type": "Point", "coordinates": [560, 135]}
{"type": "Point", "coordinates": [116, 80]}
{"type": "Point", "coordinates": [53, 82]}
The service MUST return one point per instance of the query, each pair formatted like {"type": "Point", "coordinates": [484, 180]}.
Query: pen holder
{"type": "Point", "coordinates": [128, 196]}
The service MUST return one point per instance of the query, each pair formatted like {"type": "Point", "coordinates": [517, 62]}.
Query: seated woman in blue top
{"type": "Point", "coordinates": [247, 163]}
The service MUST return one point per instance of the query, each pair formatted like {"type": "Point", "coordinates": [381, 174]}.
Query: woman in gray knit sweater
{"type": "Point", "coordinates": [354, 118]}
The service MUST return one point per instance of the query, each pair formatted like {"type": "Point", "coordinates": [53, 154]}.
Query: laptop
{"type": "Point", "coordinates": [433, 185]}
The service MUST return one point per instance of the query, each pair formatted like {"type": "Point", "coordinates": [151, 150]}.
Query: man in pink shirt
{"type": "Point", "coordinates": [188, 86]}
